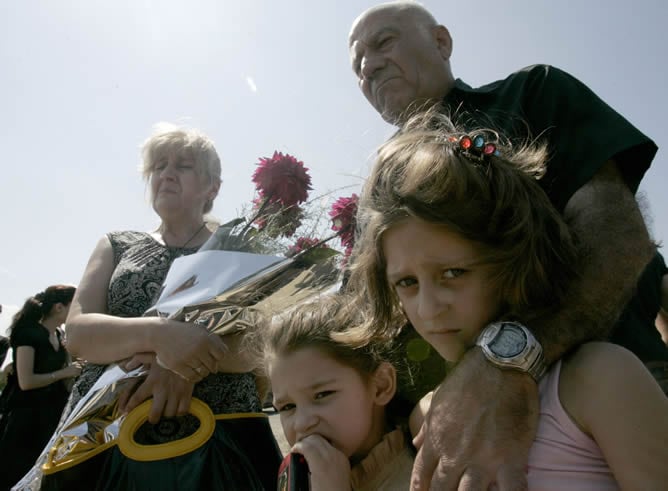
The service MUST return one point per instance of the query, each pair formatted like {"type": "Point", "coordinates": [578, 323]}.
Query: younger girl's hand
{"type": "Point", "coordinates": [330, 469]}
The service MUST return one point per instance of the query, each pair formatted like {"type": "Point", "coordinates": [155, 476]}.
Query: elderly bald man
{"type": "Point", "coordinates": [483, 419]}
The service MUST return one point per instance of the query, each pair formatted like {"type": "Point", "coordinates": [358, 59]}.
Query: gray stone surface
{"type": "Point", "coordinates": [275, 421]}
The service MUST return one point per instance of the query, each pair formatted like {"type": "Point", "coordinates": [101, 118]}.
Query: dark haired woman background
{"type": "Point", "coordinates": [35, 393]}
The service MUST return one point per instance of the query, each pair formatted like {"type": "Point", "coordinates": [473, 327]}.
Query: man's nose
{"type": "Point", "coordinates": [370, 65]}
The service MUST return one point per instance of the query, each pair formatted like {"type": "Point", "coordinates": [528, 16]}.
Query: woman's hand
{"type": "Point", "coordinates": [329, 468]}
{"type": "Point", "coordinates": [138, 360]}
{"type": "Point", "coordinates": [188, 350]}
{"type": "Point", "coordinates": [171, 393]}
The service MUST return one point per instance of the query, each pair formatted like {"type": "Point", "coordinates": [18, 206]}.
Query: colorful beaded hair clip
{"type": "Point", "coordinates": [475, 147]}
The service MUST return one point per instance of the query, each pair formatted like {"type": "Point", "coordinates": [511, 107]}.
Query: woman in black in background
{"type": "Point", "coordinates": [35, 393]}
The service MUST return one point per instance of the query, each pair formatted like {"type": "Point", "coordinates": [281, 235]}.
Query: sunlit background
{"type": "Point", "coordinates": [84, 81]}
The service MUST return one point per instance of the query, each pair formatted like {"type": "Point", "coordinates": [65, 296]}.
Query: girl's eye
{"type": "Point", "coordinates": [160, 165]}
{"type": "Point", "coordinates": [405, 283]}
{"type": "Point", "coordinates": [323, 394]}
{"type": "Point", "coordinates": [284, 408]}
{"type": "Point", "coordinates": [453, 273]}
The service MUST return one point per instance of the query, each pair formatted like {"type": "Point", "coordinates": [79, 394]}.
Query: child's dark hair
{"type": "Point", "coordinates": [322, 325]}
{"type": "Point", "coordinates": [493, 200]}
{"type": "Point", "coordinates": [40, 305]}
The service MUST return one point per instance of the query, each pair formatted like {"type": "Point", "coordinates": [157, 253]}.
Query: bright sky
{"type": "Point", "coordinates": [84, 81]}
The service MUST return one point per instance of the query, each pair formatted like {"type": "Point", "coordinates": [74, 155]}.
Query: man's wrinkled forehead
{"type": "Point", "coordinates": [370, 23]}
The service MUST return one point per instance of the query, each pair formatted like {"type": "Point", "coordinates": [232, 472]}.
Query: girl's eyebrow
{"type": "Point", "coordinates": [322, 383]}
{"type": "Point", "coordinates": [394, 276]}
{"type": "Point", "coordinates": [311, 388]}
{"type": "Point", "coordinates": [458, 263]}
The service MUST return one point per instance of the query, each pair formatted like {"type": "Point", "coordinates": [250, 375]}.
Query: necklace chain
{"type": "Point", "coordinates": [193, 236]}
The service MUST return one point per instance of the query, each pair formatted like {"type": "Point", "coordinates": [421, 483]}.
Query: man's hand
{"type": "Point", "coordinates": [329, 468]}
{"type": "Point", "coordinates": [171, 394]}
{"type": "Point", "coordinates": [479, 429]}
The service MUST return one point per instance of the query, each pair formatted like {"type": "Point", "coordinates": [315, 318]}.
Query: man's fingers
{"type": "Point", "coordinates": [446, 478]}
{"type": "Point", "coordinates": [433, 474]}
{"type": "Point", "coordinates": [473, 479]}
{"type": "Point", "coordinates": [512, 478]}
{"type": "Point", "coordinates": [423, 468]}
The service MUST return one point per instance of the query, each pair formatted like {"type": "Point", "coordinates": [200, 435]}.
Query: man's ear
{"type": "Point", "coordinates": [385, 383]}
{"type": "Point", "coordinates": [443, 41]}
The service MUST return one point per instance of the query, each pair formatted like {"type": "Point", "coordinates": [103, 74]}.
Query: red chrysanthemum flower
{"type": "Point", "coordinates": [301, 244]}
{"type": "Point", "coordinates": [277, 220]}
{"type": "Point", "coordinates": [344, 220]}
{"type": "Point", "coordinates": [282, 179]}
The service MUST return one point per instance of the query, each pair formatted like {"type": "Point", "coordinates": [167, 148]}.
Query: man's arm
{"type": "Point", "coordinates": [614, 247]}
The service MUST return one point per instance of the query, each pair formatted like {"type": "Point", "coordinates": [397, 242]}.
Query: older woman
{"type": "Point", "coordinates": [121, 281]}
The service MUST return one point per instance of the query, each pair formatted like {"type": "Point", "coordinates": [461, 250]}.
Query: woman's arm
{"type": "Point", "coordinates": [97, 337]}
{"type": "Point", "coordinates": [28, 379]}
{"type": "Point", "coordinates": [91, 333]}
{"type": "Point", "coordinates": [611, 396]}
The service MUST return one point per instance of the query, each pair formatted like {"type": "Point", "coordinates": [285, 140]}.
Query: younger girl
{"type": "Point", "coordinates": [36, 393]}
{"type": "Point", "coordinates": [457, 234]}
{"type": "Point", "coordinates": [333, 399]}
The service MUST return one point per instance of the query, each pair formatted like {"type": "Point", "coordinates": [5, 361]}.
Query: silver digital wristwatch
{"type": "Point", "coordinates": [508, 344]}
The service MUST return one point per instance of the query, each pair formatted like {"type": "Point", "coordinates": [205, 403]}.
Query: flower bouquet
{"type": "Point", "coordinates": [251, 265]}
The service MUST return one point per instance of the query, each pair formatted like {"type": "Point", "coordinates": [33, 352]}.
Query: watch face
{"type": "Point", "coordinates": [510, 341]}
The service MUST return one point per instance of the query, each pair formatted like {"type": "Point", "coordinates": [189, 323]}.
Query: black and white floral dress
{"type": "Point", "coordinates": [242, 452]}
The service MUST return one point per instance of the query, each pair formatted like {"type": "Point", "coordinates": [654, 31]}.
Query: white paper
{"type": "Point", "coordinates": [200, 277]}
